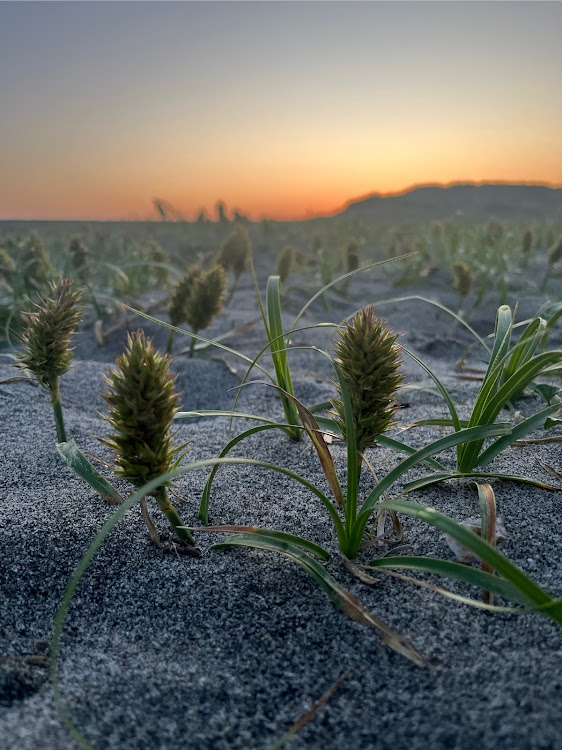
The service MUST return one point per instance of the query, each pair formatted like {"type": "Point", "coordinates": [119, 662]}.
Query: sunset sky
{"type": "Point", "coordinates": [279, 109]}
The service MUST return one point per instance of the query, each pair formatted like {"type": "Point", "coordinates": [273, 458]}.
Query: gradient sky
{"type": "Point", "coordinates": [279, 109]}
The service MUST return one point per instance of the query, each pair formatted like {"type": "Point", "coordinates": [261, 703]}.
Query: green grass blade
{"type": "Point", "coordinates": [518, 432]}
{"type": "Point", "coordinates": [437, 304]}
{"type": "Point", "coordinates": [442, 390]}
{"type": "Point", "coordinates": [77, 461]}
{"type": "Point", "coordinates": [428, 451]}
{"type": "Point", "coordinates": [528, 589]}
{"type": "Point", "coordinates": [170, 327]}
{"type": "Point", "coordinates": [342, 598]}
{"type": "Point", "coordinates": [281, 536]}
{"type": "Point", "coordinates": [342, 278]}
{"type": "Point", "coordinates": [516, 383]}
{"type": "Point", "coordinates": [459, 571]}
{"type": "Point", "coordinates": [418, 484]}
{"type": "Point", "coordinates": [203, 513]}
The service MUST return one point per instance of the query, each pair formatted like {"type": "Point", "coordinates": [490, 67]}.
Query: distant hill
{"type": "Point", "coordinates": [475, 202]}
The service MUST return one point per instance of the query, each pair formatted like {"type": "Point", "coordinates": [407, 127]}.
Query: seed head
{"type": "Point", "coordinates": [46, 341]}
{"type": "Point", "coordinates": [205, 299]}
{"type": "Point", "coordinates": [285, 263]}
{"type": "Point", "coordinates": [555, 252]}
{"type": "Point", "coordinates": [235, 253]}
{"type": "Point", "coordinates": [182, 292]}
{"type": "Point", "coordinates": [142, 403]}
{"type": "Point", "coordinates": [37, 259]}
{"type": "Point", "coordinates": [352, 258]}
{"type": "Point", "coordinates": [369, 360]}
{"type": "Point", "coordinates": [462, 277]}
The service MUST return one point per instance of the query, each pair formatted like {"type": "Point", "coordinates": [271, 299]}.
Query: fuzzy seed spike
{"type": "Point", "coordinates": [142, 404]}
{"type": "Point", "coordinates": [462, 278]}
{"type": "Point", "coordinates": [46, 342]}
{"type": "Point", "coordinates": [236, 251]}
{"type": "Point", "coordinates": [369, 359]}
{"type": "Point", "coordinates": [285, 263]}
{"type": "Point", "coordinates": [206, 299]}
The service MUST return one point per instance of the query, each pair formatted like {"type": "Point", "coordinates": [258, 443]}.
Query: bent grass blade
{"type": "Point", "coordinates": [342, 598]}
{"type": "Point", "coordinates": [527, 588]}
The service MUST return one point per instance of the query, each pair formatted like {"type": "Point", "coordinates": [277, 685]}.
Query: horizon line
{"type": "Point", "coordinates": [331, 214]}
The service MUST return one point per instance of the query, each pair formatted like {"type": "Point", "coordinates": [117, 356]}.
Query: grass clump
{"type": "Point", "coordinates": [142, 404]}
{"type": "Point", "coordinates": [46, 342]}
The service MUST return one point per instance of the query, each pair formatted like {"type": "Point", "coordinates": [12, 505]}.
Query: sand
{"type": "Point", "coordinates": [228, 651]}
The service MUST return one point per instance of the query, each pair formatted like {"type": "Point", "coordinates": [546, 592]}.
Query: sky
{"type": "Point", "coordinates": [279, 109]}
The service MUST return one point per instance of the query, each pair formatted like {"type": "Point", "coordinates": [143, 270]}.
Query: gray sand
{"type": "Point", "coordinates": [229, 650]}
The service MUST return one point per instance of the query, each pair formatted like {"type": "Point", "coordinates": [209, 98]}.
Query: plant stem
{"type": "Point", "coordinates": [170, 342]}
{"type": "Point", "coordinates": [192, 347]}
{"type": "Point", "coordinates": [161, 496]}
{"type": "Point", "coordinates": [57, 409]}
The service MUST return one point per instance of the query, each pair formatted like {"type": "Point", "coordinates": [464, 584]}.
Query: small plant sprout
{"type": "Point", "coordinates": [46, 342]}
{"type": "Point", "coordinates": [285, 263]}
{"type": "Point", "coordinates": [234, 255]}
{"type": "Point", "coordinates": [510, 370]}
{"type": "Point", "coordinates": [462, 281]}
{"type": "Point", "coordinates": [142, 404]}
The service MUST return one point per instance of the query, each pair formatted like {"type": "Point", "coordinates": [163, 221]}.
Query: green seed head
{"type": "Point", "coordinates": [369, 360]}
{"type": "Point", "coordinates": [182, 293]}
{"type": "Point", "coordinates": [462, 277]}
{"type": "Point", "coordinates": [46, 340]}
{"type": "Point", "coordinates": [555, 252]}
{"type": "Point", "coordinates": [352, 258]}
{"type": "Point", "coordinates": [205, 299]}
{"type": "Point", "coordinates": [527, 241]}
{"type": "Point", "coordinates": [142, 403]}
{"type": "Point", "coordinates": [285, 262]}
{"type": "Point", "coordinates": [236, 251]}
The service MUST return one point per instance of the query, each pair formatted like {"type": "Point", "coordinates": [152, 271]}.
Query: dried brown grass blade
{"type": "Point", "coordinates": [358, 572]}
{"type": "Point", "coordinates": [310, 714]}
